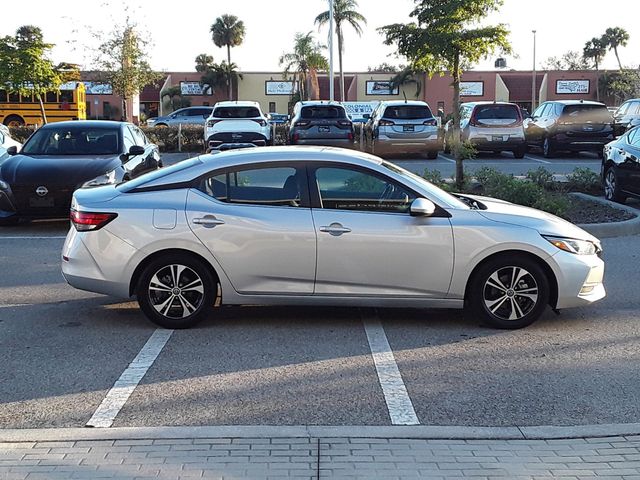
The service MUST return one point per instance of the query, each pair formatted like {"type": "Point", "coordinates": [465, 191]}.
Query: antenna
{"type": "Point", "coordinates": [404, 95]}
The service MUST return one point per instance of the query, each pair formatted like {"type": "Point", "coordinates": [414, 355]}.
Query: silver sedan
{"type": "Point", "coordinates": [321, 226]}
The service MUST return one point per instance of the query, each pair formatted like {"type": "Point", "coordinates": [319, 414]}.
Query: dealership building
{"type": "Point", "coordinates": [273, 90]}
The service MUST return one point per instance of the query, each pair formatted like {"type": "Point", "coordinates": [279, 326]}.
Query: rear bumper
{"type": "Point", "coordinates": [217, 139]}
{"type": "Point", "coordinates": [484, 143]}
{"type": "Point", "coordinates": [384, 144]}
{"type": "Point", "coordinates": [324, 142]}
{"type": "Point", "coordinates": [577, 144]}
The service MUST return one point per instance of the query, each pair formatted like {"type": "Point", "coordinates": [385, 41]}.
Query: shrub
{"type": "Point", "coordinates": [466, 148]}
{"type": "Point", "coordinates": [583, 180]}
{"type": "Point", "coordinates": [166, 138]}
{"type": "Point", "coordinates": [433, 176]}
{"type": "Point", "coordinates": [553, 203]}
{"type": "Point", "coordinates": [20, 134]}
{"type": "Point", "coordinates": [541, 177]}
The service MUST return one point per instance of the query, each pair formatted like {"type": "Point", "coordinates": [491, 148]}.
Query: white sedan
{"type": "Point", "coordinates": [6, 141]}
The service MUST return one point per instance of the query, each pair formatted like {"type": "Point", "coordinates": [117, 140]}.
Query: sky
{"type": "Point", "coordinates": [179, 31]}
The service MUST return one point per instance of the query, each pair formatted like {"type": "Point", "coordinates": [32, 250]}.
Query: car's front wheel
{"type": "Point", "coordinates": [509, 292]}
{"type": "Point", "coordinates": [548, 148]}
{"type": "Point", "coordinates": [612, 186]}
{"type": "Point", "coordinates": [176, 291]}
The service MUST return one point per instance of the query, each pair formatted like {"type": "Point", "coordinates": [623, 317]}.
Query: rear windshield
{"type": "Point", "coordinates": [491, 112]}
{"type": "Point", "coordinates": [74, 140]}
{"type": "Point", "coordinates": [407, 112]}
{"type": "Point", "coordinates": [590, 112]}
{"type": "Point", "coordinates": [323, 112]}
{"type": "Point", "coordinates": [236, 112]}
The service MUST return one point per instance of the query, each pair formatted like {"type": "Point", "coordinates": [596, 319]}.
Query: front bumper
{"type": "Point", "coordinates": [580, 279]}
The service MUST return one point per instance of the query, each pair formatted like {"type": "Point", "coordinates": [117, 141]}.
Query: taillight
{"type": "Point", "coordinates": [211, 123]}
{"type": "Point", "coordinates": [344, 123]}
{"type": "Point", "coordinates": [88, 221]}
{"type": "Point", "coordinates": [350, 136]}
{"type": "Point", "coordinates": [432, 122]}
{"type": "Point", "coordinates": [301, 123]}
{"type": "Point", "coordinates": [296, 137]}
{"type": "Point", "coordinates": [260, 122]}
{"type": "Point", "coordinates": [385, 123]}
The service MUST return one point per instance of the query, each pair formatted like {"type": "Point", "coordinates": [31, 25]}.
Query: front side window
{"type": "Point", "coordinates": [349, 189]}
{"type": "Point", "coordinates": [274, 186]}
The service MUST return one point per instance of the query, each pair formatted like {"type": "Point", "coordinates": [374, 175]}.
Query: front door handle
{"type": "Point", "coordinates": [335, 229]}
{"type": "Point", "coordinates": [208, 221]}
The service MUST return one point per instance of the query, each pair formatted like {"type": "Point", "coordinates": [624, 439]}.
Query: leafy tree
{"type": "Point", "coordinates": [122, 59]}
{"type": "Point", "coordinates": [595, 50]}
{"type": "Point", "coordinates": [385, 67]}
{"type": "Point", "coordinates": [621, 85]}
{"type": "Point", "coordinates": [445, 38]}
{"type": "Point", "coordinates": [305, 59]}
{"type": "Point", "coordinates": [616, 37]}
{"type": "Point", "coordinates": [571, 60]}
{"type": "Point", "coordinates": [228, 31]}
{"type": "Point", "coordinates": [204, 62]}
{"type": "Point", "coordinates": [174, 98]}
{"type": "Point", "coordinates": [25, 68]}
{"type": "Point", "coordinates": [407, 76]}
{"type": "Point", "coordinates": [343, 13]}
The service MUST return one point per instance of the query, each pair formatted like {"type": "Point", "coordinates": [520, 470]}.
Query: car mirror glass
{"type": "Point", "coordinates": [422, 207]}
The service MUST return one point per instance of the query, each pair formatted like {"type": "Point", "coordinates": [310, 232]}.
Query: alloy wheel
{"type": "Point", "coordinates": [176, 291]}
{"type": "Point", "coordinates": [610, 184]}
{"type": "Point", "coordinates": [510, 293]}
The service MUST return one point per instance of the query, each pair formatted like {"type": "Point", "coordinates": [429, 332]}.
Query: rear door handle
{"type": "Point", "coordinates": [335, 229]}
{"type": "Point", "coordinates": [208, 221]}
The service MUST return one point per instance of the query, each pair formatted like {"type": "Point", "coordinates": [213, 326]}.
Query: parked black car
{"type": "Point", "coordinates": [626, 116]}
{"type": "Point", "coordinates": [320, 123]}
{"type": "Point", "coordinates": [61, 157]}
{"type": "Point", "coordinates": [569, 125]}
{"type": "Point", "coordinates": [621, 167]}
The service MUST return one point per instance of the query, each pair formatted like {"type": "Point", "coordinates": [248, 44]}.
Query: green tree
{"type": "Point", "coordinates": [595, 50]}
{"type": "Point", "coordinates": [204, 62]}
{"type": "Point", "coordinates": [616, 37]}
{"type": "Point", "coordinates": [446, 38]}
{"type": "Point", "coordinates": [621, 85]}
{"type": "Point", "coordinates": [174, 98]}
{"type": "Point", "coordinates": [26, 69]}
{"type": "Point", "coordinates": [407, 76]}
{"type": "Point", "coordinates": [343, 13]}
{"type": "Point", "coordinates": [385, 67]}
{"type": "Point", "coordinates": [305, 59]}
{"type": "Point", "coordinates": [571, 60]}
{"type": "Point", "coordinates": [228, 31]}
{"type": "Point", "coordinates": [122, 59]}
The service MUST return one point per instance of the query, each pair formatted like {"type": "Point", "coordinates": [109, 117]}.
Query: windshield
{"type": "Point", "coordinates": [73, 140]}
{"type": "Point", "coordinates": [236, 112]}
{"type": "Point", "coordinates": [438, 193]}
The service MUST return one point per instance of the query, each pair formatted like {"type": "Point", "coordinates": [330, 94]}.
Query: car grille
{"type": "Point", "coordinates": [55, 203]}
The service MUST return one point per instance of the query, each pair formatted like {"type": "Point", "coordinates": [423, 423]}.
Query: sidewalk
{"type": "Point", "coordinates": [294, 452]}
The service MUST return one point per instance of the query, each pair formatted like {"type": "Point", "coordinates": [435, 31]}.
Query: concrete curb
{"type": "Point", "coordinates": [265, 431]}
{"type": "Point", "coordinates": [611, 229]}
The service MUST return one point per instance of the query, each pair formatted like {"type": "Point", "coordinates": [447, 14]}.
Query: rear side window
{"type": "Point", "coordinates": [236, 112]}
{"type": "Point", "coordinates": [407, 112]}
{"type": "Point", "coordinates": [322, 112]}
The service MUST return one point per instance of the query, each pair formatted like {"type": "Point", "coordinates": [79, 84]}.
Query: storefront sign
{"type": "Point", "coordinates": [191, 88]}
{"type": "Point", "coordinates": [279, 87]}
{"type": "Point", "coordinates": [381, 87]}
{"type": "Point", "coordinates": [471, 89]}
{"type": "Point", "coordinates": [572, 87]}
{"type": "Point", "coordinates": [96, 88]}
{"type": "Point", "coordinates": [358, 110]}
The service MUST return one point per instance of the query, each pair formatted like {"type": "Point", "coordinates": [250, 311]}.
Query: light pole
{"type": "Point", "coordinates": [533, 75]}
{"type": "Point", "coordinates": [331, 95]}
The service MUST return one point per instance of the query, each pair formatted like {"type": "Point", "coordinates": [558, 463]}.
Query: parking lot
{"type": "Point", "coordinates": [62, 350]}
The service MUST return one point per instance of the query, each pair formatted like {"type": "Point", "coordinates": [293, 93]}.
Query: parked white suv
{"type": "Point", "coordinates": [236, 122]}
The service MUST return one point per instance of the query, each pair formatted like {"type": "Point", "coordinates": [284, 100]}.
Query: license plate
{"type": "Point", "coordinates": [497, 138]}
{"type": "Point", "coordinates": [41, 202]}
{"type": "Point", "coordinates": [324, 129]}
{"type": "Point", "coordinates": [407, 128]}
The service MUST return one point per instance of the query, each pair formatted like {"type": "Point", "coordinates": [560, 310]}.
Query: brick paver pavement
{"type": "Point", "coordinates": [605, 458]}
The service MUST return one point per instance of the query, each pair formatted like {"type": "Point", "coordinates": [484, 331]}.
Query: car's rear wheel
{"type": "Point", "coordinates": [509, 292]}
{"type": "Point", "coordinates": [176, 291]}
{"type": "Point", "coordinates": [519, 152]}
{"type": "Point", "coordinates": [612, 186]}
{"type": "Point", "coordinates": [432, 154]}
{"type": "Point", "coordinates": [548, 148]}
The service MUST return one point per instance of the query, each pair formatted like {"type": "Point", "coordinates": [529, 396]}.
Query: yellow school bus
{"type": "Point", "coordinates": [67, 103]}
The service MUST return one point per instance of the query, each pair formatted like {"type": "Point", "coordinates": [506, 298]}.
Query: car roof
{"type": "Point", "coordinates": [325, 103]}
{"type": "Point", "coordinates": [237, 103]}
{"type": "Point", "coordinates": [86, 123]}
{"type": "Point", "coordinates": [577, 102]}
{"type": "Point", "coordinates": [394, 103]}
{"type": "Point", "coordinates": [487, 102]}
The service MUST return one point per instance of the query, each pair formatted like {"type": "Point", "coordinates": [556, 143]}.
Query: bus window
{"type": "Point", "coordinates": [66, 96]}
{"type": "Point", "coordinates": [51, 97]}
{"type": "Point", "coordinates": [3, 95]}
{"type": "Point", "coordinates": [14, 97]}
{"type": "Point", "coordinates": [26, 98]}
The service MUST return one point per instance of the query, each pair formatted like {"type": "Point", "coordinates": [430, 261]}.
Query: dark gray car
{"type": "Point", "coordinates": [320, 123]}
{"type": "Point", "coordinates": [184, 116]}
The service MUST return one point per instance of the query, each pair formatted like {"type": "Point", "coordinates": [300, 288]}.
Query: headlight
{"type": "Point", "coordinates": [108, 178]}
{"type": "Point", "coordinates": [571, 245]}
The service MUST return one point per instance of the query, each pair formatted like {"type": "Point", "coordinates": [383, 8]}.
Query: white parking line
{"type": "Point", "coordinates": [442, 157]}
{"type": "Point", "coordinates": [535, 159]}
{"type": "Point", "coordinates": [395, 393]}
{"type": "Point", "coordinates": [123, 388]}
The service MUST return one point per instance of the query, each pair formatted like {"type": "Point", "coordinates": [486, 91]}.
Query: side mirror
{"type": "Point", "coordinates": [136, 150]}
{"type": "Point", "coordinates": [268, 116]}
{"type": "Point", "coordinates": [12, 150]}
{"type": "Point", "coordinates": [422, 207]}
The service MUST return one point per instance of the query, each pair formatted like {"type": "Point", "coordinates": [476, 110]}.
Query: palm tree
{"type": "Point", "coordinates": [228, 31]}
{"type": "Point", "coordinates": [405, 77]}
{"type": "Point", "coordinates": [204, 62]}
{"type": "Point", "coordinates": [616, 37]}
{"type": "Point", "coordinates": [305, 59]}
{"type": "Point", "coordinates": [595, 50]}
{"type": "Point", "coordinates": [343, 12]}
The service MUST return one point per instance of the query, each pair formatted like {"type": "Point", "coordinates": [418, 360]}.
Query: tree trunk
{"type": "Point", "coordinates": [615, 50]}
{"type": "Point", "coordinates": [229, 72]}
{"type": "Point", "coordinates": [125, 114]}
{"type": "Point", "coordinates": [597, 83]}
{"type": "Point", "coordinates": [42, 111]}
{"type": "Point", "coordinates": [457, 150]}
{"type": "Point", "coordinates": [339, 32]}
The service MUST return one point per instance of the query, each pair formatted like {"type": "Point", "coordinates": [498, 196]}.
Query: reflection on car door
{"type": "Point", "coordinates": [257, 223]}
{"type": "Point", "coordinates": [368, 243]}
{"type": "Point", "coordinates": [631, 162]}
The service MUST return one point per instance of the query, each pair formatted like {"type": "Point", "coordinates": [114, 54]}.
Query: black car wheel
{"type": "Point", "coordinates": [519, 152]}
{"type": "Point", "coordinates": [612, 186]}
{"type": "Point", "coordinates": [548, 148]}
{"type": "Point", "coordinates": [432, 154]}
{"type": "Point", "coordinates": [509, 292]}
{"type": "Point", "coordinates": [176, 291]}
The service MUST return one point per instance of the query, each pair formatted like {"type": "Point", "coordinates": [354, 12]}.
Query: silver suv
{"type": "Point", "coordinates": [183, 116]}
{"type": "Point", "coordinates": [403, 127]}
{"type": "Point", "coordinates": [237, 122]}
{"type": "Point", "coordinates": [320, 123]}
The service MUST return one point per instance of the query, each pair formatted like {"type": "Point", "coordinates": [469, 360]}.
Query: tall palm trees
{"type": "Point", "coordinates": [228, 31]}
{"type": "Point", "coordinates": [343, 13]}
{"type": "Point", "coordinates": [595, 50]}
{"type": "Point", "coordinates": [616, 37]}
{"type": "Point", "coordinates": [305, 59]}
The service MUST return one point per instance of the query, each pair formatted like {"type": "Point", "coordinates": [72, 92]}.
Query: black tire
{"type": "Point", "coordinates": [612, 186]}
{"type": "Point", "coordinates": [432, 154]}
{"type": "Point", "coordinates": [14, 121]}
{"type": "Point", "coordinates": [519, 152]}
{"type": "Point", "coordinates": [498, 303]}
{"type": "Point", "coordinates": [548, 147]}
{"type": "Point", "coordinates": [187, 271]}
